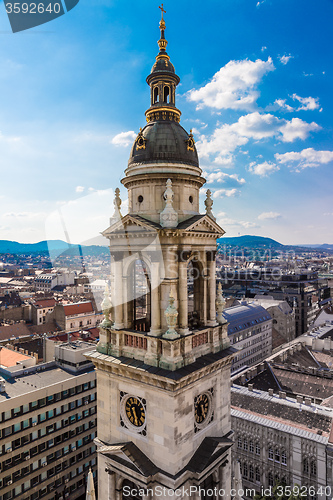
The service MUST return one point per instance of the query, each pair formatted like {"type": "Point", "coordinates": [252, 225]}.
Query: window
{"type": "Point", "coordinates": [251, 447]}
{"type": "Point", "coordinates": [245, 470]}
{"type": "Point", "coordinates": [283, 458]}
{"type": "Point", "coordinates": [313, 468]}
{"type": "Point", "coordinates": [245, 446]}
{"type": "Point", "coordinates": [42, 417]}
{"type": "Point", "coordinates": [251, 472]}
{"type": "Point", "coordinates": [270, 479]}
{"type": "Point", "coordinates": [258, 474]}
{"type": "Point", "coordinates": [270, 454]}
{"type": "Point", "coordinates": [277, 455]}
{"type": "Point", "coordinates": [25, 408]}
{"type": "Point", "coordinates": [257, 449]}
{"type": "Point", "coordinates": [305, 465]}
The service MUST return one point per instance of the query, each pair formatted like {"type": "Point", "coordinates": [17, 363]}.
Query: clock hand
{"type": "Point", "coordinates": [135, 417]}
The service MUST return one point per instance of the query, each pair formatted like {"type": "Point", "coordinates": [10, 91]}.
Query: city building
{"type": "Point", "coordinates": [302, 289]}
{"type": "Point", "coordinates": [40, 309]}
{"type": "Point", "coordinates": [250, 333]}
{"type": "Point", "coordinates": [283, 315]}
{"type": "Point", "coordinates": [48, 424]}
{"type": "Point", "coordinates": [165, 361]}
{"type": "Point", "coordinates": [279, 439]}
{"type": "Point", "coordinates": [46, 282]}
{"type": "Point", "coordinates": [74, 316]}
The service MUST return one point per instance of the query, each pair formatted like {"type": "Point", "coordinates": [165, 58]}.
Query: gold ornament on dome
{"type": "Point", "coordinates": [190, 142]}
{"type": "Point", "coordinates": [140, 141]}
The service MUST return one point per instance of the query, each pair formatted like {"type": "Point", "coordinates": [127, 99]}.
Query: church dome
{"type": "Point", "coordinates": [163, 66]}
{"type": "Point", "coordinates": [164, 142]}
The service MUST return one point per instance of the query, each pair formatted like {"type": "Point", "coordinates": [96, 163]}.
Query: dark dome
{"type": "Point", "coordinates": [162, 66]}
{"type": "Point", "coordinates": [166, 141]}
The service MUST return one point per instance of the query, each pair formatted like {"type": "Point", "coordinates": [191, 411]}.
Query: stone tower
{"type": "Point", "coordinates": [163, 361]}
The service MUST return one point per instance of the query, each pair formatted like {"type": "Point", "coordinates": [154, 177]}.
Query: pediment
{"type": "Point", "coordinates": [131, 223]}
{"type": "Point", "coordinates": [128, 453]}
{"type": "Point", "coordinates": [203, 224]}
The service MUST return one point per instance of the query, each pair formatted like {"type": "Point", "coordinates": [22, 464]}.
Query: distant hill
{"type": "Point", "coordinates": [54, 247]}
{"type": "Point", "coordinates": [250, 241]}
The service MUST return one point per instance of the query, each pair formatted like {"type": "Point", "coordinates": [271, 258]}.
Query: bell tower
{"type": "Point", "coordinates": [163, 359]}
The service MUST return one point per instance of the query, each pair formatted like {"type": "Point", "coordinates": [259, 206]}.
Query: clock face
{"type": "Point", "coordinates": [201, 408]}
{"type": "Point", "coordinates": [135, 411]}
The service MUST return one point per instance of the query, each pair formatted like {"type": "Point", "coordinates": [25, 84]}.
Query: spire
{"type": "Point", "coordinates": [163, 82]}
{"type": "Point", "coordinates": [162, 43]}
{"type": "Point", "coordinates": [90, 493]}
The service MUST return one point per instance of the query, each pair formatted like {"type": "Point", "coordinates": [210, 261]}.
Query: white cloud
{"type": "Point", "coordinates": [281, 103]}
{"type": "Point", "coordinates": [263, 169]}
{"type": "Point", "coordinates": [263, 48]}
{"type": "Point", "coordinates": [285, 59]}
{"type": "Point", "coordinates": [269, 216]}
{"type": "Point", "coordinates": [124, 138]}
{"type": "Point", "coordinates": [297, 129]}
{"type": "Point", "coordinates": [306, 158]}
{"type": "Point", "coordinates": [223, 220]}
{"type": "Point", "coordinates": [307, 103]}
{"type": "Point", "coordinates": [228, 193]}
{"type": "Point", "coordinates": [228, 138]}
{"type": "Point", "coordinates": [219, 176]}
{"type": "Point", "coordinates": [233, 86]}
{"type": "Point", "coordinates": [79, 189]}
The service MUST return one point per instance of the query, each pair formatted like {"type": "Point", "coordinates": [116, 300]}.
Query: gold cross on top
{"type": "Point", "coordinates": [162, 10]}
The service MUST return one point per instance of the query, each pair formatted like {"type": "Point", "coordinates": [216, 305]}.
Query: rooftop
{"type": "Point", "coordinates": [313, 419]}
{"type": "Point", "coordinates": [38, 377]}
{"type": "Point", "coordinates": [9, 357]}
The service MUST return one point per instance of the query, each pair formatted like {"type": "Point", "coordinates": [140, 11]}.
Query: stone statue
{"type": "Point", "coordinates": [171, 315]}
{"type": "Point", "coordinates": [220, 305]}
{"type": "Point", "coordinates": [106, 309]}
{"type": "Point", "coordinates": [169, 216]}
{"type": "Point", "coordinates": [208, 204]}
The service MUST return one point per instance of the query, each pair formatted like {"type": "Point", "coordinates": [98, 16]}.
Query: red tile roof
{"type": "Point", "coordinates": [42, 304]}
{"type": "Point", "coordinates": [79, 308]}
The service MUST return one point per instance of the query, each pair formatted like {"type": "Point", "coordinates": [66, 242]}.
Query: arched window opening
{"type": "Point", "coordinates": [313, 469]}
{"type": "Point", "coordinates": [208, 486]}
{"type": "Point", "coordinates": [305, 465]}
{"type": "Point", "coordinates": [195, 291]}
{"type": "Point", "coordinates": [130, 491]}
{"type": "Point", "coordinates": [141, 297]}
{"type": "Point", "coordinates": [155, 95]}
{"type": "Point", "coordinates": [166, 95]}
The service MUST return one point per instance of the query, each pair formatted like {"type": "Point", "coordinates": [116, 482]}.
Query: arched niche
{"type": "Point", "coordinates": [139, 296]}
{"type": "Point", "coordinates": [196, 294]}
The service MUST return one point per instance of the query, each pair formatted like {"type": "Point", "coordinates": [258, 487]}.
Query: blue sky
{"type": "Point", "coordinates": [256, 87]}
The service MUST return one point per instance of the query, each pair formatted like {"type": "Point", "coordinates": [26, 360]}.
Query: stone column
{"type": "Point", "coordinates": [155, 328]}
{"type": "Point", "coordinates": [118, 291]}
{"type": "Point", "coordinates": [211, 290]}
{"type": "Point", "coordinates": [112, 484]}
{"type": "Point", "coordinates": [183, 298]}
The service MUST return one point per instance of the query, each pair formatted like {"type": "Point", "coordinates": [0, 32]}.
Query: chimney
{"type": "Point", "coordinates": [271, 392]}
{"type": "Point", "coordinates": [250, 387]}
{"type": "Point", "coordinates": [282, 395]}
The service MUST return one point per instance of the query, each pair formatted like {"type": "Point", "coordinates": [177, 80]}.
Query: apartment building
{"type": "Point", "coordinates": [40, 309]}
{"type": "Point", "coordinates": [75, 316]}
{"type": "Point", "coordinates": [250, 332]}
{"type": "Point", "coordinates": [47, 427]}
